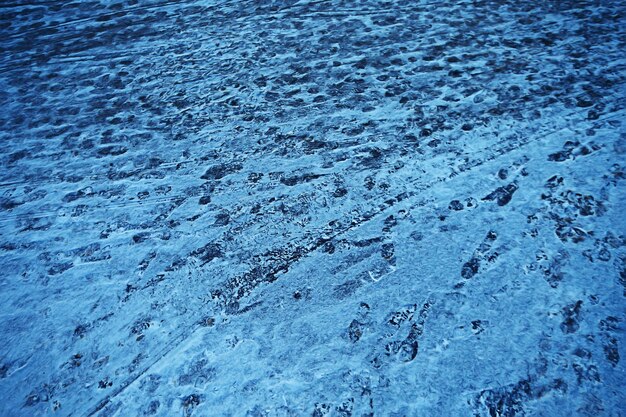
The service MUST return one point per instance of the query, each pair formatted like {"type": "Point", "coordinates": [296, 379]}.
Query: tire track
{"type": "Point", "coordinates": [294, 257]}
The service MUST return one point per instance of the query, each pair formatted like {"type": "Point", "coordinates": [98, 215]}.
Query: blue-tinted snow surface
{"type": "Point", "coordinates": [312, 208]}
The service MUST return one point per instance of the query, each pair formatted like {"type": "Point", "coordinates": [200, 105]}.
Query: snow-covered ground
{"type": "Point", "coordinates": [312, 208]}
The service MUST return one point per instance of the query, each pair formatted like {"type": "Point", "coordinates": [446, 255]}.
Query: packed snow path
{"type": "Point", "coordinates": [312, 208]}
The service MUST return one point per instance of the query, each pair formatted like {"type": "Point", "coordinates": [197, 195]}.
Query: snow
{"type": "Point", "coordinates": [321, 208]}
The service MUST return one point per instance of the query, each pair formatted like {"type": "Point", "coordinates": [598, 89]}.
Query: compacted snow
{"type": "Point", "coordinates": [312, 208]}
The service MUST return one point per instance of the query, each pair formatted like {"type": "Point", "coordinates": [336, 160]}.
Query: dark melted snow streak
{"type": "Point", "coordinates": [312, 208]}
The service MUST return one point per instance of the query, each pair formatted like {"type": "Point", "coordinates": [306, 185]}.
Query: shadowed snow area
{"type": "Point", "coordinates": [312, 208]}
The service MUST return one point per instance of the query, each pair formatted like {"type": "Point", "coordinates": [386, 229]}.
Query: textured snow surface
{"type": "Point", "coordinates": [312, 208]}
